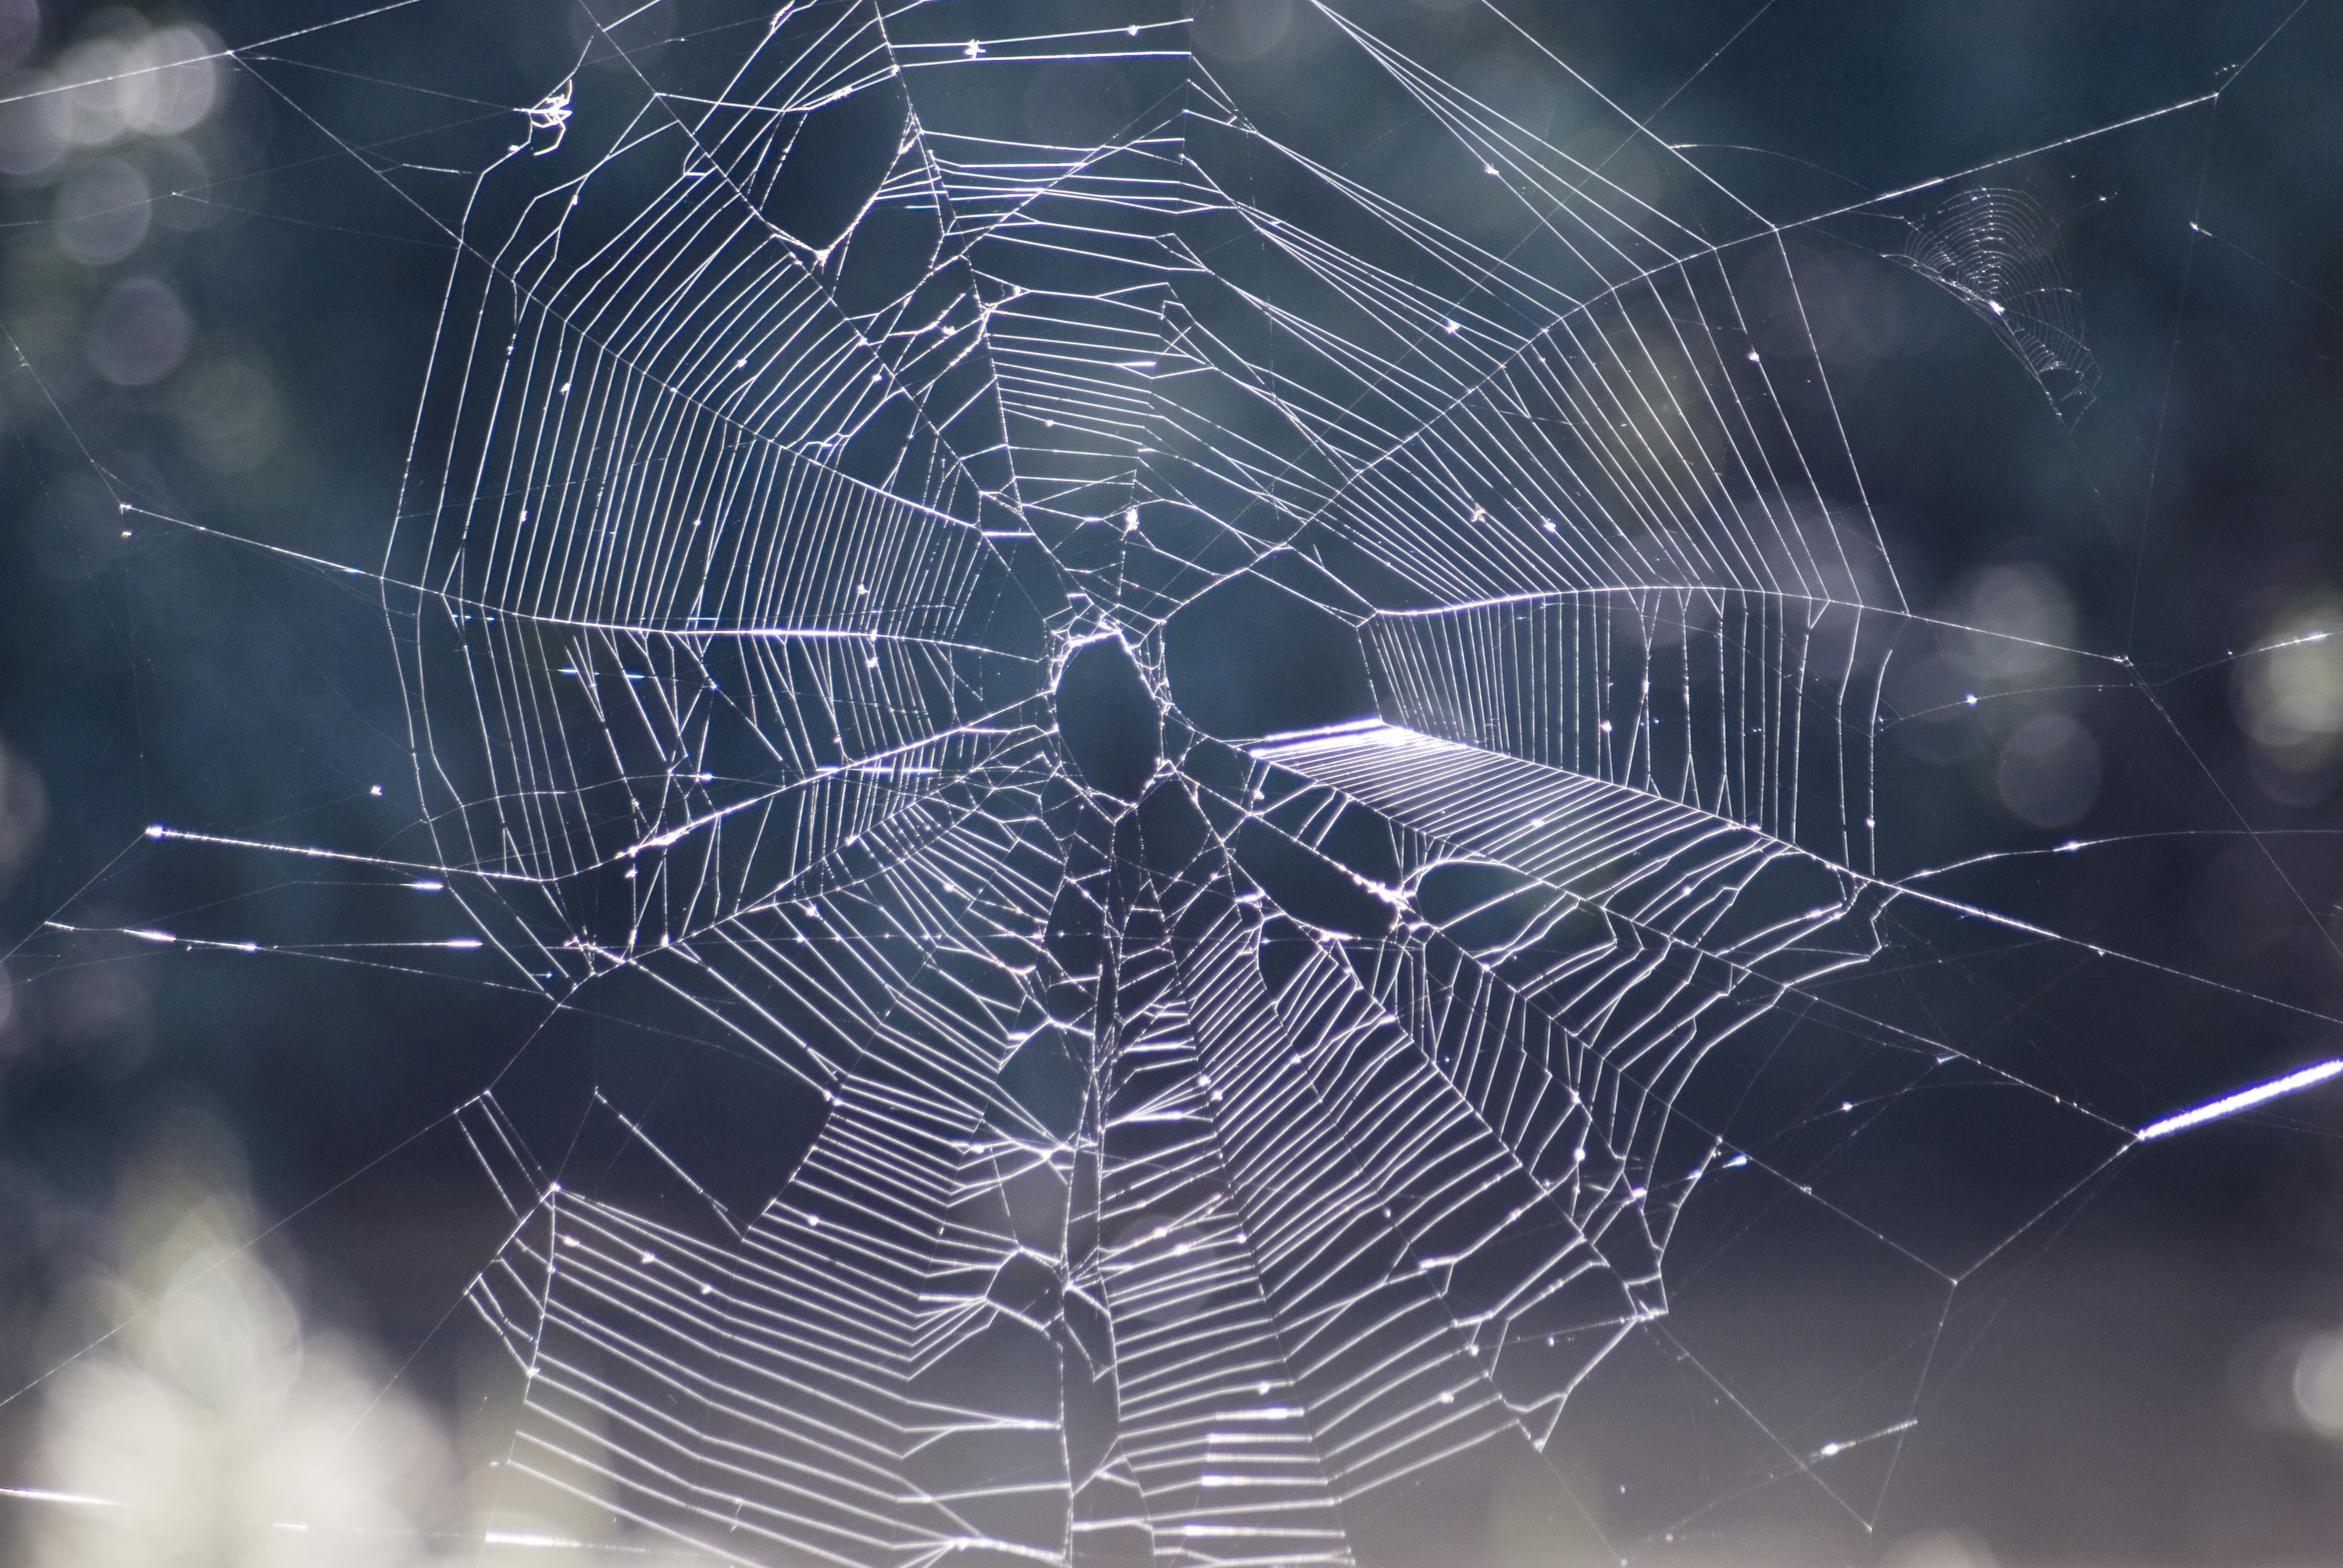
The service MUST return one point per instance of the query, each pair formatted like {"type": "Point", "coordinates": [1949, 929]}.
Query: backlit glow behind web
{"type": "Point", "coordinates": [875, 459]}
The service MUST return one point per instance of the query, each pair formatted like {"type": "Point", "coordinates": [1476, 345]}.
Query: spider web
{"type": "Point", "coordinates": [759, 544]}
{"type": "Point", "coordinates": [1219, 1138]}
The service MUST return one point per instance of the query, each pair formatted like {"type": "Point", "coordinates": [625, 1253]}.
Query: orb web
{"type": "Point", "coordinates": [777, 463]}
